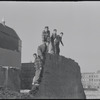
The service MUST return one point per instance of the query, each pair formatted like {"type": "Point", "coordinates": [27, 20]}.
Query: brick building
{"type": "Point", "coordinates": [91, 80]}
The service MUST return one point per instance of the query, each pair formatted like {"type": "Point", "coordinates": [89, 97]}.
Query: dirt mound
{"type": "Point", "coordinates": [61, 79]}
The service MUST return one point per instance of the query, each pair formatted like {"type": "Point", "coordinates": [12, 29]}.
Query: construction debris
{"type": "Point", "coordinates": [6, 93]}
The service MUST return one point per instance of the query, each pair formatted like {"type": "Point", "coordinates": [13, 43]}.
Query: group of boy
{"type": "Point", "coordinates": [52, 41]}
{"type": "Point", "coordinates": [50, 45]}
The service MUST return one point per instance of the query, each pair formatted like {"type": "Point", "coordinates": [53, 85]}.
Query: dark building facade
{"type": "Point", "coordinates": [10, 58]}
{"type": "Point", "coordinates": [8, 38]}
{"type": "Point", "coordinates": [10, 47]}
{"type": "Point", "coordinates": [27, 74]}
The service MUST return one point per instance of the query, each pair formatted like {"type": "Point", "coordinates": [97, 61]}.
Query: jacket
{"type": "Point", "coordinates": [45, 36]}
{"type": "Point", "coordinates": [38, 63]}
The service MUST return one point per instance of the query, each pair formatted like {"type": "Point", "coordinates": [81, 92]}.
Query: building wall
{"type": "Point", "coordinates": [91, 80]}
{"type": "Point", "coordinates": [27, 74]}
{"type": "Point", "coordinates": [10, 47]}
{"type": "Point", "coordinates": [10, 58]}
{"type": "Point", "coordinates": [8, 38]}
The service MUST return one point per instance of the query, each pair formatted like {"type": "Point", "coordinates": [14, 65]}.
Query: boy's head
{"type": "Point", "coordinates": [61, 34]}
{"type": "Point", "coordinates": [55, 31]}
{"type": "Point", "coordinates": [46, 28]}
{"type": "Point", "coordinates": [35, 55]}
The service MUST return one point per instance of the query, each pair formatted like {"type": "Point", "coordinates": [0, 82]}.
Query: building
{"type": "Point", "coordinates": [10, 58]}
{"type": "Point", "coordinates": [91, 80]}
{"type": "Point", "coordinates": [27, 74]}
{"type": "Point", "coordinates": [10, 47]}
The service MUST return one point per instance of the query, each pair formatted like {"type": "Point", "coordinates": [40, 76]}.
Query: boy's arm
{"type": "Point", "coordinates": [61, 42]}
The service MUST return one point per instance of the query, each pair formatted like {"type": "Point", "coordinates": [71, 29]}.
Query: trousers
{"type": "Point", "coordinates": [37, 76]}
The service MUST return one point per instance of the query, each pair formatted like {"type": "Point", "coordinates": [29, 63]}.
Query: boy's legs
{"type": "Point", "coordinates": [36, 77]}
{"type": "Point", "coordinates": [35, 82]}
{"type": "Point", "coordinates": [52, 51]}
{"type": "Point", "coordinates": [57, 49]}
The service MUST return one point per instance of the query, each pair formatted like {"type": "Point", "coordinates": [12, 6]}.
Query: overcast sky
{"type": "Point", "coordinates": [80, 22]}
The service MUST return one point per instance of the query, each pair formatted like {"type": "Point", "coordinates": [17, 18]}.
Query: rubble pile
{"type": "Point", "coordinates": [6, 93]}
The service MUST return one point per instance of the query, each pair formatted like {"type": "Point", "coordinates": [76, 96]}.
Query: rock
{"type": "Point", "coordinates": [61, 79]}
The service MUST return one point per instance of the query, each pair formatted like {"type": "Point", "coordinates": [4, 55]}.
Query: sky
{"type": "Point", "coordinates": [79, 21]}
